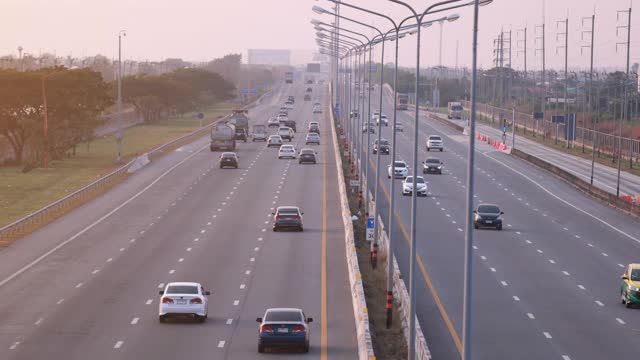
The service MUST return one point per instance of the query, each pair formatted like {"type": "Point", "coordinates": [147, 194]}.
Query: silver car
{"type": "Point", "coordinates": [312, 138]}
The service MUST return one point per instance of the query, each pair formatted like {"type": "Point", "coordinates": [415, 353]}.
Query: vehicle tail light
{"type": "Point", "coordinates": [278, 217]}
{"type": "Point", "coordinates": [167, 300]}
{"type": "Point", "coordinates": [266, 328]}
{"type": "Point", "coordinates": [196, 301]}
{"type": "Point", "coordinates": [298, 329]}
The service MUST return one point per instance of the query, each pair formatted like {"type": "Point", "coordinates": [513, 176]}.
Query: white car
{"type": "Point", "coordinates": [274, 140]}
{"type": "Point", "coordinates": [282, 118]}
{"type": "Point", "coordinates": [288, 105]}
{"type": "Point", "coordinates": [317, 110]}
{"type": "Point", "coordinates": [287, 151]}
{"type": "Point", "coordinates": [273, 122]}
{"type": "Point", "coordinates": [435, 142]}
{"type": "Point", "coordinates": [312, 138]}
{"type": "Point", "coordinates": [421, 185]}
{"type": "Point", "coordinates": [400, 170]}
{"type": "Point", "coordinates": [399, 127]}
{"type": "Point", "coordinates": [183, 299]}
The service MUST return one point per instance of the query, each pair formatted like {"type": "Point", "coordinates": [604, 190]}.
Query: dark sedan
{"type": "Point", "coordinates": [488, 216]}
{"type": "Point", "coordinates": [307, 156]}
{"type": "Point", "coordinates": [228, 159]}
{"type": "Point", "coordinates": [384, 147]}
{"type": "Point", "coordinates": [283, 327]}
{"type": "Point", "coordinates": [432, 166]}
{"type": "Point", "coordinates": [287, 217]}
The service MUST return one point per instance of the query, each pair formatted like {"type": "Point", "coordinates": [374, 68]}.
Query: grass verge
{"type": "Point", "coordinates": [22, 194]}
{"type": "Point", "coordinates": [387, 343]}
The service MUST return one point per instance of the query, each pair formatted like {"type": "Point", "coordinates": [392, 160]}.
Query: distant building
{"type": "Point", "coordinates": [268, 57]}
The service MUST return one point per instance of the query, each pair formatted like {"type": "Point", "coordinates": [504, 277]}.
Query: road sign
{"type": "Point", "coordinates": [370, 228]}
{"type": "Point", "coordinates": [249, 91]}
{"type": "Point", "coordinates": [354, 183]}
{"type": "Point", "coordinates": [200, 116]}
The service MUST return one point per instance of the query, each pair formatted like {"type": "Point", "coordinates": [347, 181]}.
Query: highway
{"type": "Point", "coordinates": [546, 287]}
{"type": "Point", "coordinates": [604, 177]}
{"type": "Point", "coordinates": [87, 284]}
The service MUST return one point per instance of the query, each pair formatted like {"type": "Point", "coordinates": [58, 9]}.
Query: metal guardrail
{"type": "Point", "coordinates": [43, 216]}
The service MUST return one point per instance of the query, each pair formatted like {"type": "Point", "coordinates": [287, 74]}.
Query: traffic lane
{"type": "Point", "coordinates": [55, 277]}
{"type": "Point", "coordinates": [581, 208]}
{"type": "Point", "coordinates": [64, 267]}
{"type": "Point", "coordinates": [119, 288]}
{"type": "Point", "coordinates": [441, 223]}
{"type": "Point", "coordinates": [440, 251]}
{"type": "Point", "coordinates": [586, 266]}
{"type": "Point", "coordinates": [296, 257]}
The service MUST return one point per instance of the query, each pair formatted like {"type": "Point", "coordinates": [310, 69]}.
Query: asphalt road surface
{"type": "Point", "coordinates": [546, 287]}
{"type": "Point", "coordinates": [86, 286]}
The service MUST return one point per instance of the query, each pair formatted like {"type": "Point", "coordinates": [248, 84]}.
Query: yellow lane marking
{"type": "Point", "coordinates": [423, 270]}
{"type": "Point", "coordinates": [323, 281]}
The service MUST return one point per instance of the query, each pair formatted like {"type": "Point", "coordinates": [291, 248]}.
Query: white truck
{"type": "Point", "coordinates": [259, 133]}
{"type": "Point", "coordinates": [455, 110]}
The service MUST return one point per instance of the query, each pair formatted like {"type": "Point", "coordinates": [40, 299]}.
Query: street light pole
{"type": "Point", "coordinates": [119, 134]}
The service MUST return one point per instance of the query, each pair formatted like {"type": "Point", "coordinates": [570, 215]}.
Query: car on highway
{"type": "Point", "coordinates": [309, 89]}
{"type": "Point", "coordinates": [307, 156]}
{"type": "Point", "coordinates": [421, 186]}
{"type": "Point", "coordinates": [183, 299]}
{"type": "Point", "coordinates": [312, 138]}
{"type": "Point", "coordinates": [314, 127]}
{"type": "Point", "coordinates": [282, 118]}
{"type": "Point", "coordinates": [307, 97]}
{"type": "Point", "coordinates": [259, 133]}
{"type": "Point", "coordinates": [287, 152]}
{"type": "Point", "coordinates": [376, 113]}
{"type": "Point", "coordinates": [317, 104]}
{"type": "Point", "coordinates": [369, 127]}
{"type": "Point", "coordinates": [630, 288]}
{"type": "Point", "coordinates": [291, 98]}
{"type": "Point", "coordinates": [317, 110]}
{"type": "Point", "coordinates": [400, 170]}
{"type": "Point", "coordinates": [284, 327]}
{"type": "Point", "coordinates": [287, 217]}
{"type": "Point", "coordinates": [354, 114]}
{"type": "Point", "coordinates": [399, 127]}
{"type": "Point", "coordinates": [241, 134]}
{"type": "Point", "coordinates": [286, 133]}
{"type": "Point", "coordinates": [383, 146]}
{"type": "Point", "coordinates": [383, 118]}
{"type": "Point", "coordinates": [273, 122]}
{"type": "Point", "coordinates": [284, 110]}
{"type": "Point", "coordinates": [435, 142]}
{"type": "Point", "coordinates": [228, 159]}
{"type": "Point", "coordinates": [487, 216]}
{"type": "Point", "coordinates": [432, 166]}
{"type": "Point", "coordinates": [288, 105]}
{"type": "Point", "coordinates": [274, 140]}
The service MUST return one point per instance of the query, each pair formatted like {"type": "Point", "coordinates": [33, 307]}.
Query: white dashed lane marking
{"type": "Point", "coordinates": [236, 302]}
{"type": "Point", "coordinates": [229, 321]}
{"type": "Point", "coordinates": [14, 345]}
{"type": "Point", "coordinates": [118, 344]}
{"type": "Point", "coordinates": [620, 321]}
{"type": "Point", "coordinates": [135, 321]}
{"type": "Point", "coordinates": [547, 335]}
{"type": "Point", "coordinates": [530, 315]}
{"type": "Point", "coordinates": [148, 302]}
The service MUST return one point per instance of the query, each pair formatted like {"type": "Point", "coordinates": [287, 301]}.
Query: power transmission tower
{"type": "Point", "coordinates": [541, 38]}
{"type": "Point", "coordinates": [524, 52]}
{"type": "Point", "coordinates": [566, 72]}
{"type": "Point", "coordinates": [626, 80]}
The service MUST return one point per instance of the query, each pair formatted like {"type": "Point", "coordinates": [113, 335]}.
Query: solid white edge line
{"type": "Point", "coordinates": [93, 224]}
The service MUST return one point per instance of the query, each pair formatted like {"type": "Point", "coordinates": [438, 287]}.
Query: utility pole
{"type": "Point", "coordinates": [544, 76]}
{"type": "Point", "coordinates": [524, 52]}
{"type": "Point", "coordinates": [510, 84]}
{"type": "Point", "coordinates": [20, 67]}
{"type": "Point", "coordinates": [566, 73]}
{"type": "Point", "coordinates": [624, 110]}
{"type": "Point", "coordinates": [119, 134]}
{"type": "Point", "coordinates": [593, 123]}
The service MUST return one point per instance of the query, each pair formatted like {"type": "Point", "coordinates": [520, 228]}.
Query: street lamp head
{"type": "Point", "coordinates": [122, 33]}
{"type": "Point", "coordinates": [485, 2]}
{"type": "Point", "coordinates": [427, 24]}
{"type": "Point", "coordinates": [453, 17]}
{"type": "Point", "coordinates": [316, 22]}
{"type": "Point", "coordinates": [319, 10]}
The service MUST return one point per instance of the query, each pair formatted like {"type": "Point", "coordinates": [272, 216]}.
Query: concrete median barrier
{"type": "Point", "coordinates": [360, 310]}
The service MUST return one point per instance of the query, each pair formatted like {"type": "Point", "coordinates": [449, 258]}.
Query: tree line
{"type": "Point", "coordinates": [77, 99]}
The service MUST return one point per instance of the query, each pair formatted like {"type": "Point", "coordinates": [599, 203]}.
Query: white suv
{"type": "Point", "coordinates": [400, 170]}
{"type": "Point", "coordinates": [382, 118]}
{"type": "Point", "coordinates": [435, 142]}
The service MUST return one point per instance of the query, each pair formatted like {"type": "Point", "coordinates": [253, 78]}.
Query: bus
{"type": "Point", "coordinates": [402, 100]}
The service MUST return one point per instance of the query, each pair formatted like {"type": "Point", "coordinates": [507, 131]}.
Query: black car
{"type": "Point", "coordinates": [314, 129]}
{"type": "Point", "coordinates": [384, 147]}
{"type": "Point", "coordinates": [354, 114]}
{"type": "Point", "coordinates": [291, 98]}
{"type": "Point", "coordinates": [487, 215]}
{"type": "Point", "coordinates": [309, 89]}
{"type": "Point", "coordinates": [432, 165]}
{"type": "Point", "coordinates": [228, 159]}
{"type": "Point", "coordinates": [287, 217]}
{"type": "Point", "coordinates": [307, 156]}
{"type": "Point", "coordinates": [241, 134]}
{"type": "Point", "coordinates": [307, 97]}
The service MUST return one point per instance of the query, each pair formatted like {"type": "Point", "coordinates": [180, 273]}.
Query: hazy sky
{"type": "Point", "coordinates": [204, 29]}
